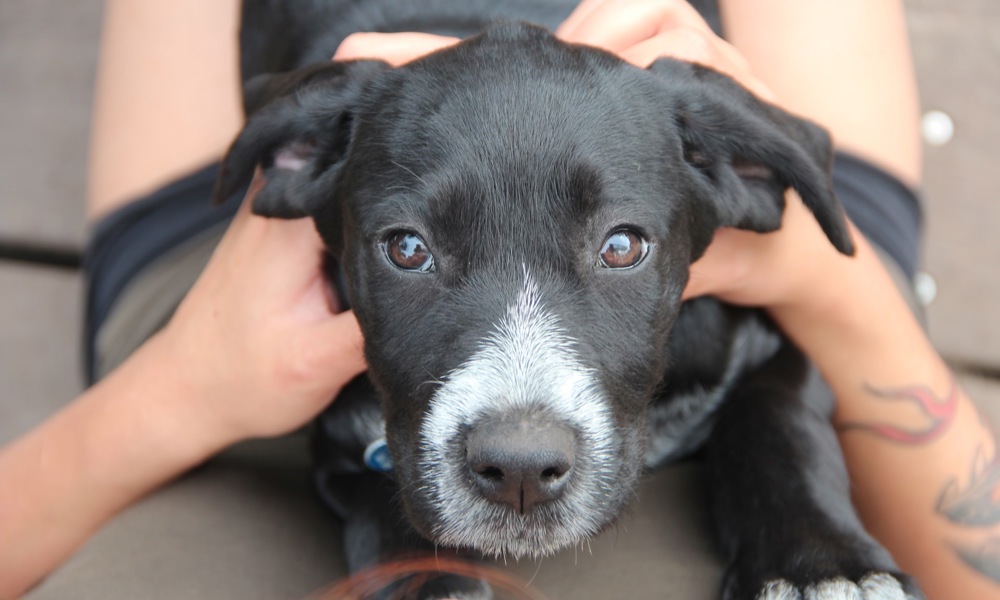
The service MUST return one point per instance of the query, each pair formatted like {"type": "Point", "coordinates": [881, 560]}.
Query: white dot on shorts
{"type": "Point", "coordinates": [937, 127]}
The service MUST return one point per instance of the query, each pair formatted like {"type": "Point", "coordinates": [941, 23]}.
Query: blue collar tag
{"type": "Point", "coordinates": [377, 457]}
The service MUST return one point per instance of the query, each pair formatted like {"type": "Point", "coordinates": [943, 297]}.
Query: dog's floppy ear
{"type": "Point", "coordinates": [299, 127]}
{"type": "Point", "coordinates": [745, 153]}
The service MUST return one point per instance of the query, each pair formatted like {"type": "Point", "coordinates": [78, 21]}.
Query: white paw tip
{"type": "Point", "coordinates": [834, 589]}
{"type": "Point", "coordinates": [882, 586]}
{"type": "Point", "coordinates": [779, 589]}
{"type": "Point", "coordinates": [875, 586]}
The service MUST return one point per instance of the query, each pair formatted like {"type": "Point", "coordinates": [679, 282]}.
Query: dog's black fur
{"type": "Point", "coordinates": [514, 156]}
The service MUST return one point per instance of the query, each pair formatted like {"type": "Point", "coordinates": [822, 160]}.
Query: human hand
{"type": "Point", "coordinates": [641, 31]}
{"type": "Point", "coordinates": [777, 270]}
{"type": "Point", "coordinates": [257, 342]}
{"type": "Point", "coordinates": [393, 48]}
{"type": "Point", "coordinates": [740, 267]}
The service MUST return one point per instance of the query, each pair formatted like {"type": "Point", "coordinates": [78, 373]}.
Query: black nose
{"type": "Point", "coordinates": [520, 462]}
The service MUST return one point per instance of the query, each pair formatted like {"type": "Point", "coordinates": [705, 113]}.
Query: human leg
{"type": "Point", "coordinates": [845, 64]}
{"type": "Point", "coordinates": [167, 97]}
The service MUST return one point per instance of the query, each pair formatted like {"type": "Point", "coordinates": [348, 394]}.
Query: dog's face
{"type": "Point", "coordinates": [516, 218]}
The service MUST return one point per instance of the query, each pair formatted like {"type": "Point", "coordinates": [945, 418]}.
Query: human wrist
{"type": "Point", "coordinates": [122, 438]}
{"type": "Point", "coordinates": [150, 404]}
{"type": "Point", "coordinates": [854, 324]}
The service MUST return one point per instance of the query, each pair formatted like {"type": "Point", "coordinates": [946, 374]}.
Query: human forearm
{"type": "Point", "coordinates": [120, 439]}
{"type": "Point", "coordinates": [849, 317]}
{"type": "Point", "coordinates": [914, 443]}
{"type": "Point", "coordinates": [253, 351]}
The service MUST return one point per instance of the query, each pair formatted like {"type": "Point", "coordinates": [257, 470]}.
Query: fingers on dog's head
{"type": "Point", "coordinates": [394, 48]}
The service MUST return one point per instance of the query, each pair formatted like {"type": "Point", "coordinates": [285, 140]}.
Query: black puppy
{"type": "Point", "coordinates": [515, 218]}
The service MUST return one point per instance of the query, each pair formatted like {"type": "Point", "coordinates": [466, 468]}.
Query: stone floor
{"type": "Point", "coordinates": [39, 344]}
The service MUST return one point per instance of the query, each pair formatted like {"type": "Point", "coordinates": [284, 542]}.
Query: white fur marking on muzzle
{"type": "Point", "coordinates": [526, 363]}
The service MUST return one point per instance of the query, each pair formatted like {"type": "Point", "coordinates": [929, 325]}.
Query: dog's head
{"type": "Point", "coordinates": [516, 218]}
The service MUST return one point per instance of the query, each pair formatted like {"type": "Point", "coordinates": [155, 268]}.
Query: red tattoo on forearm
{"type": "Point", "coordinates": [973, 502]}
{"type": "Point", "coordinates": [940, 413]}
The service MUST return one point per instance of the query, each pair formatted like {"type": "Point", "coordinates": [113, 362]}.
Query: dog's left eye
{"type": "Point", "coordinates": [623, 249]}
{"type": "Point", "coordinates": [408, 251]}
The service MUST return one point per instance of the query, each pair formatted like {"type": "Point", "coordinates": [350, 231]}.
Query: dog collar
{"type": "Point", "coordinates": [377, 457]}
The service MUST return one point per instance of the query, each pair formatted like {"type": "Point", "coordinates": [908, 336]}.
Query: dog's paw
{"type": "Point", "coordinates": [874, 586]}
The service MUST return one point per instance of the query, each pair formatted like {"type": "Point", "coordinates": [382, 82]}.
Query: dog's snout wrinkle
{"type": "Point", "coordinates": [521, 463]}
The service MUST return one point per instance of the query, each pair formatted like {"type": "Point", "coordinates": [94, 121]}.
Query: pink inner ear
{"type": "Point", "coordinates": [294, 156]}
{"type": "Point", "coordinates": [749, 170]}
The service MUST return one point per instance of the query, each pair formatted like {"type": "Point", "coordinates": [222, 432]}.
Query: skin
{"type": "Point", "coordinates": [262, 303]}
{"type": "Point", "coordinates": [862, 46]}
{"type": "Point", "coordinates": [178, 61]}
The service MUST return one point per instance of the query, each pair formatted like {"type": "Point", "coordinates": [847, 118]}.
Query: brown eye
{"type": "Point", "coordinates": [409, 252]}
{"type": "Point", "coordinates": [623, 249]}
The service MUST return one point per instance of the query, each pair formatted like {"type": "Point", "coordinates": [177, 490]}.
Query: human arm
{"type": "Point", "coordinates": [921, 459]}
{"type": "Point", "coordinates": [254, 350]}
{"type": "Point", "coordinates": [918, 452]}
{"type": "Point", "coordinates": [913, 441]}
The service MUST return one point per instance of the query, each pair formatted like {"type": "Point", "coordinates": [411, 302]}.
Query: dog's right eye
{"type": "Point", "coordinates": [409, 252]}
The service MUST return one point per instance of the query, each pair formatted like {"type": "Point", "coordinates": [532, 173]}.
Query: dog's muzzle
{"type": "Point", "coordinates": [519, 454]}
